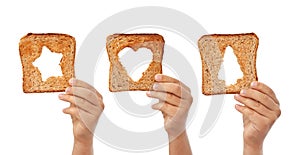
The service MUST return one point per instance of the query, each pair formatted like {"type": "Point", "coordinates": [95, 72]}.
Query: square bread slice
{"type": "Point", "coordinates": [119, 80]}
{"type": "Point", "coordinates": [212, 48]}
{"type": "Point", "coordinates": [30, 48]}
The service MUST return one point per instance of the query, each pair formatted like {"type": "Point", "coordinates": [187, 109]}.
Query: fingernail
{"type": "Point", "coordinates": [254, 84]}
{"type": "Point", "coordinates": [155, 86]}
{"type": "Point", "coordinates": [64, 111]}
{"type": "Point", "coordinates": [243, 91]}
{"type": "Point", "coordinates": [158, 77]}
{"type": "Point", "coordinates": [148, 93]}
{"type": "Point", "coordinates": [236, 95]}
{"type": "Point", "coordinates": [68, 89]}
{"type": "Point", "coordinates": [60, 96]}
{"type": "Point", "coordinates": [237, 106]}
{"type": "Point", "coordinates": [153, 106]}
{"type": "Point", "coordinates": [71, 81]}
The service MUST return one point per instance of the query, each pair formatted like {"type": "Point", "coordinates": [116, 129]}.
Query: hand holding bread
{"type": "Point", "coordinates": [260, 109]}
{"type": "Point", "coordinates": [175, 100]}
{"type": "Point", "coordinates": [86, 106]}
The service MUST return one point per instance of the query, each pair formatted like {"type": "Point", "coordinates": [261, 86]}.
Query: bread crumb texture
{"type": "Point", "coordinates": [212, 49]}
{"type": "Point", "coordinates": [30, 48]}
{"type": "Point", "coordinates": [119, 80]}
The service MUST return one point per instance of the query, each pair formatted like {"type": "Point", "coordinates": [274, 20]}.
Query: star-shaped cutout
{"type": "Point", "coordinates": [48, 63]}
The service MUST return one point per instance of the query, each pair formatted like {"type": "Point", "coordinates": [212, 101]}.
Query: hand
{"type": "Point", "coordinates": [86, 106]}
{"type": "Point", "coordinates": [260, 110]}
{"type": "Point", "coordinates": [174, 102]}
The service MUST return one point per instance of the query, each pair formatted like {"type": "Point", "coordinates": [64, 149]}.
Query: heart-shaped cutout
{"type": "Point", "coordinates": [135, 62]}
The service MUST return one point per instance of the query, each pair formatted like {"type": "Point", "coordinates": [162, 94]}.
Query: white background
{"type": "Point", "coordinates": [34, 124]}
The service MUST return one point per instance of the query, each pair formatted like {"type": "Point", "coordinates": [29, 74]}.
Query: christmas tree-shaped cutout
{"type": "Point", "coordinates": [230, 69]}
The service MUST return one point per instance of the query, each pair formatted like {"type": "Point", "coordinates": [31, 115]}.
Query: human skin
{"type": "Point", "coordinates": [175, 100]}
{"type": "Point", "coordinates": [86, 106]}
{"type": "Point", "coordinates": [260, 109]}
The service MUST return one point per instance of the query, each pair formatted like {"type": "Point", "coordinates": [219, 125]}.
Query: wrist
{"type": "Point", "coordinates": [83, 143]}
{"type": "Point", "coordinates": [85, 139]}
{"type": "Point", "coordinates": [179, 144]}
{"type": "Point", "coordinates": [83, 147]}
{"type": "Point", "coordinates": [256, 149]}
{"type": "Point", "coordinates": [176, 135]}
{"type": "Point", "coordinates": [175, 131]}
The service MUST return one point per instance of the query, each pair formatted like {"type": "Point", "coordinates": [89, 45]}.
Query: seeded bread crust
{"type": "Point", "coordinates": [30, 48]}
{"type": "Point", "coordinates": [119, 80]}
{"type": "Point", "coordinates": [212, 49]}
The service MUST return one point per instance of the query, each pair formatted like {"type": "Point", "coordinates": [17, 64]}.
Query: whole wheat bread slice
{"type": "Point", "coordinates": [212, 49]}
{"type": "Point", "coordinates": [119, 80]}
{"type": "Point", "coordinates": [30, 48]}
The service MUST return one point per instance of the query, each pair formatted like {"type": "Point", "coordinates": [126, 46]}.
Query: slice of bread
{"type": "Point", "coordinates": [119, 80]}
{"type": "Point", "coordinates": [30, 48]}
{"type": "Point", "coordinates": [212, 49]}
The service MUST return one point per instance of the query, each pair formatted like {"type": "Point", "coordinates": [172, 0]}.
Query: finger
{"type": "Point", "coordinates": [85, 94]}
{"type": "Point", "coordinates": [80, 103]}
{"type": "Point", "coordinates": [168, 110]}
{"type": "Point", "coordinates": [264, 99]}
{"type": "Point", "coordinates": [165, 78]}
{"type": "Point", "coordinates": [240, 108]}
{"type": "Point", "coordinates": [254, 117]}
{"type": "Point", "coordinates": [78, 83]}
{"type": "Point", "coordinates": [255, 106]}
{"type": "Point", "coordinates": [165, 97]}
{"type": "Point", "coordinates": [77, 114]}
{"type": "Point", "coordinates": [173, 88]}
{"type": "Point", "coordinates": [247, 112]}
{"type": "Point", "coordinates": [73, 111]}
{"type": "Point", "coordinates": [76, 103]}
{"type": "Point", "coordinates": [264, 89]}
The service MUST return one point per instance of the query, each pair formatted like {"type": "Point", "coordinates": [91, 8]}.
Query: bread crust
{"type": "Point", "coordinates": [212, 49]}
{"type": "Point", "coordinates": [30, 48]}
{"type": "Point", "coordinates": [119, 80]}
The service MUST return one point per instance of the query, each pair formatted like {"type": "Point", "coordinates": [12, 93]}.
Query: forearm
{"type": "Point", "coordinates": [179, 145]}
{"type": "Point", "coordinates": [83, 148]}
{"type": "Point", "coordinates": [253, 150]}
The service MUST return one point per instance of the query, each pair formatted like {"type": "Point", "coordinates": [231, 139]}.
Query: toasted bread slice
{"type": "Point", "coordinates": [212, 49]}
{"type": "Point", "coordinates": [119, 80]}
{"type": "Point", "coordinates": [30, 48]}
